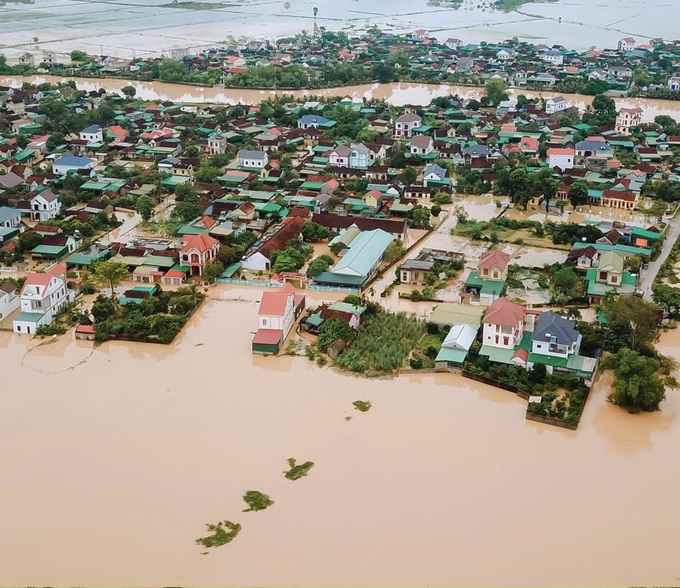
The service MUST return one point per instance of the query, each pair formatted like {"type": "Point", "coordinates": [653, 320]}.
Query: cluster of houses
{"type": "Point", "coordinates": [279, 172]}
{"type": "Point", "coordinates": [419, 53]}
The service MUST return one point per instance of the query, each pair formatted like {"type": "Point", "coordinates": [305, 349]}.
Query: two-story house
{"type": "Point", "coordinates": [42, 206]}
{"type": "Point", "coordinates": [626, 44]}
{"type": "Point", "coordinates": [42, 297]}
{"type": "Point", "coordinates": [628, 119]}
{"type": "Point", "coordinates": [217, 144]}
{"type": "Point", "coordinates": [555, 104]}
{"type": "Point", "coordinates": [484, 286]}
{"type": "Point", "coordinates": [275, 319]}
{"type": "Point", "coordinates": [554, 336]}
{"type": "Point", "coordinates": [503, 324]}
{"type": "Point", "coordinates": [252, 159]}
{"type": "Point", "coordinates": [609, 276]}
{"type": "Point", "coordinates": [404, 125]}
{"type": "Point", "coordinates": [9, 300]}
{"type": "Point", "coordinates": [197, 251]}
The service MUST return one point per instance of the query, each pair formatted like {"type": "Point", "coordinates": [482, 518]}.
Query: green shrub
{"type": "Point", "coordinates": [298, 471]}
{"type": "Point", "coordinates": [222, 533]}
{"type": "Point", "coordinates": [256, 501]}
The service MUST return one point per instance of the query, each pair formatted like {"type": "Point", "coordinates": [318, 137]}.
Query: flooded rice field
{"type": "Point", "coordinates": [127, 29]}
{"type": "Point", "coordinates": [115, 458]}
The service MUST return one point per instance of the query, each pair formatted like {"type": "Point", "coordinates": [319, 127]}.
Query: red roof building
{"type": "Point", "coordinates": [197, 251]}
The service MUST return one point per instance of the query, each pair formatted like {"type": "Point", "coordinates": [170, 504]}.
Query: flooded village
{"type": "Point", "coordinates": [455, 316]}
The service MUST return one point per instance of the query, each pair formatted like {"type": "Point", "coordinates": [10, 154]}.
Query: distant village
{"type": "Point", "coordinates": [330, 59]}
{"type": "Point", "coordinates": [520, 231]}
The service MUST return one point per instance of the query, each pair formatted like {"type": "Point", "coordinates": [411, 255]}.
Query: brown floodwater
{"type": "Point", "coordinates": [396, 93]}
{"type": "Point", "coordinates": [113, 460]}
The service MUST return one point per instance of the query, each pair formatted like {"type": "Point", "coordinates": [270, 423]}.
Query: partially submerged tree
{"type": "Point", "coordinates": [110, 273]}
{"type": "Point", "coordinates": [638, 386]}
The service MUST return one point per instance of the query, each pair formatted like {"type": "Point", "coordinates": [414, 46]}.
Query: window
{"type": "Point", "coordinates": [264, 322]}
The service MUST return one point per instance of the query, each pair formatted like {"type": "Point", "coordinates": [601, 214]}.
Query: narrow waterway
{"type": "Point", "coordinates": [114, 459]}
{"type": "Point", "coordinates": [397, 94]}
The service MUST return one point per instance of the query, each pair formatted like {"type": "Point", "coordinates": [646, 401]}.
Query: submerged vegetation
{"type": "Point", "coordinates": [298, 471]}
{"type": "Point", "coordinates": [362, 405]}
{"type": "Point", "coordinates": [222, 533]}
{"type": "Point", "coordinates": [256, 501]}
{"type": "Point", "coordinates": [382, 344]}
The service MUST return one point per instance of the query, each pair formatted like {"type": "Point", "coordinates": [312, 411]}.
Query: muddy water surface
{"type": "Point", "coordinates": [112, 468]}
{"type": "Point", "coordinates": [398, 94]}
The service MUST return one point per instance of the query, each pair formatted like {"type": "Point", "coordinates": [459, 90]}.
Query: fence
{"type": "Point", "coordinates": [258, 283]}
{"type": "Point", "coordinates": [490, 382]}
{"type": "Point", "coordinates": [334, 289]}
{"type": "Point", "coordinates": [549, 421]}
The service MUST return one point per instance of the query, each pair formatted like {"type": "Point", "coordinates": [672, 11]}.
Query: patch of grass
{"type": "Point", "coordinates": [362, 405]}
{"type": "Point", "coordinates": [256, 501]}
{"type": "Point", "coordinates": [298, 471]}
{"type": "Point", "coordinates": [222, 533]}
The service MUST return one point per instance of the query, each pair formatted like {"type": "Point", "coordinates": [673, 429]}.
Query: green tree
{"type": "Point", "coordinates": [28, 241]}
{"type": "Point", "coordinates": [145, 206]}
{"type": "Point", "coordinates": [318, 266]}
{"type": "Point", "coordinates": [55, 140]}
{"type": "Point", "coordinates": [332, 330]}
{"type": "Point", "coordinates": [632, 319]}
{"type": "Point", "coordinates": [419, 217]}
{"type": "Point", "coordinates": [185, 211]}
{"type": "Point", "coordinates": [442, 198]}
{"type": "Point", "coordinates": [103, 308]}
{"type": "Point", "coordinates": [212, 271]}
{"type": "Point", "coordinates": [409, 175]}
{"type": "Point", "coordinates": [565, 279]}
{"type": "Point", "coordinates": [314, 232]}
{"type": "Point", "coordinates": [129, 91]}
{"type": "Point", "coordinates": [638, 386]}
{"type": "Point", "coordinates": [78, 55]}
{"type": "Point", "coordinates": [208, 174]}
{"type": "Point", "coordinates": [394, 251]}
{"type": "Point", "coordinates": [578, 193]}
{"type": "Point", "coordinates": [495, 91]}
{"type": "Point", "coordinates": [668, 298]}
{"type": "Point", "coordinates": [110, 273]}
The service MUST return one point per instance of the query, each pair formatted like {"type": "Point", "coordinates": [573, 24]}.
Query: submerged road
{"type": "Point", "coordinates": [652, 270]}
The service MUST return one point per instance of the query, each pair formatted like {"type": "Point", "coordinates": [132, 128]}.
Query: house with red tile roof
{"type": "Point", "coordinates": [197, 251]}
{"type": "Point", "coordinates": [503, 324]}
{"type": "Point", "coordinates": [276, 317]}
{"type": "Point", "coordinates": [43, 295]}
{"type": "Point", "coordinates": [485, 285]}
{"type": "Point", "coordinates": [619, 199]}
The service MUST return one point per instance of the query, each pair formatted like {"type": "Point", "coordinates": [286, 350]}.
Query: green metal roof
{"type": "Point", "coordinates": [451, 356]}
{"type": "Point", "coordinates": [54, 250]}
{"type": "Point", "coordinates": [31, 317]}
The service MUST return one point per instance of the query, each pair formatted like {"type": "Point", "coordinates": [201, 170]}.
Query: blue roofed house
{"type": "Point", "coordinates": [555, 343]}
{"type": "Point", "coordinates": [554, 336]}
{"type": "Point", "coordinates": [312, 121]}
{"type": "Point", "coordinates": [360, 260]}
{"type": "Point", "coordinates": [435, 175]}
{"type": "Point", "coordinates": [67, 162]}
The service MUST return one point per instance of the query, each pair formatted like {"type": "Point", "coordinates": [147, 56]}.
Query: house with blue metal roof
{"type": "Point", "coordinates": [360, 260]}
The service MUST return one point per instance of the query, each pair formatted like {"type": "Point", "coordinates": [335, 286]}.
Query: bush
{"type": "Point", "coordinates": [51, 329]}
{"type": "Point", "coordinates": [416, 362]}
